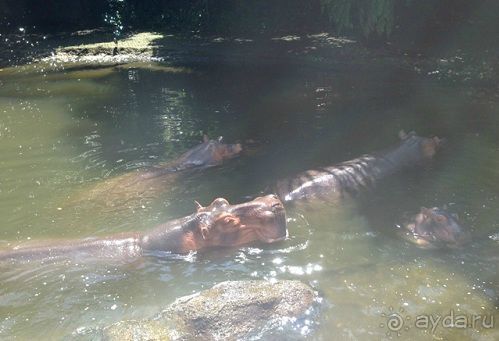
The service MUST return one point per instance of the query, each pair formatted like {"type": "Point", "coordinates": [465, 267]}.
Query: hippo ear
{"type": "Point", "coordinates": [402, 134]}
{"type": "Point", "coordinates": [198, 205]}
{"type": "Point", "coordinates": [425, 211]}
{"type": "Point", "coordinates": [205, 138]}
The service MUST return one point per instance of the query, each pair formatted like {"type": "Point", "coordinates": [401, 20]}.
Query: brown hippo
{"type": "Point", "coordinates": [435, 228]}
{"type": "Point", "coordinates": [132, 189]}
{"type": "Point", "coordinates": [334, 182]}
{"type": "Point", "coordinates": [217, 225]}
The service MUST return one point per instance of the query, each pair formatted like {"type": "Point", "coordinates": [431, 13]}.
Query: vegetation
{"type": "Point", "coordinates": [367, 19]}
{"type": "Point", "coordinates": [370, 17]}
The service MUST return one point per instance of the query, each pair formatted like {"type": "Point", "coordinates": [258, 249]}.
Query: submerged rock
{"type": "Point", "coordinates": [228, 311]}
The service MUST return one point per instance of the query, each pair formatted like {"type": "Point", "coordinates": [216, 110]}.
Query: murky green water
{"type": "Point", "coordinates": [61, 133]}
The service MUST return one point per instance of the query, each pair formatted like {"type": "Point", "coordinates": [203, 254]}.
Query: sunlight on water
{"type": "Point", "coordinates": [63, 133]}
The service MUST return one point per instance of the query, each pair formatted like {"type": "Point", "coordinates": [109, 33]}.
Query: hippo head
{"type": "Point", "coordinates": [222, 224]}
{"type": "Point", "coordinates": [435, 228]}
{"type": "Point", "coordinates": [428, 146]}
{"type": "Point", "coordinates": [209, 153]}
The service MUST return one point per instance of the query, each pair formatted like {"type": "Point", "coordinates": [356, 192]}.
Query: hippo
{"type": "Point", "coordinates": [435, 228]}
{"type": "Point", "coordinates": [219, 224]}
{"type": "Point", "coordinates": [132, 189]}
{"type": "Point", "coordinates": [350, 177]}
{"type": "Point", "coordinates": [207, 154]}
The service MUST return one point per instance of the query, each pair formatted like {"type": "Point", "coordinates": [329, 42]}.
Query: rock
{"type": "Point", "coordinates": [230, 310]}
{"type": "Point", "coordinates": [139, 47]}
{"type": "Point", "coordinates": [132, 330]}
{"type": "Point", "coordinates": [140, 43]}
{"type": "Point", "coordinates": [236, 309]}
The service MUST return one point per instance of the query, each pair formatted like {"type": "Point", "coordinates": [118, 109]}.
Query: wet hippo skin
{"type": "Point", "coordinates": [334, 182]}
{"type": "Point", "coordinates": [218, 225]}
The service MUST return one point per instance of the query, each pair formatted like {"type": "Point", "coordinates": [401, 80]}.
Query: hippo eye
{"type": "Point", "coordinates": [276, 205]}
{"type": "Point", "coordinates": [219, 202]}
{"type": "Point", "coordinates": [231, 220]}
{"type": "Point", "coordinates": [440, 219]}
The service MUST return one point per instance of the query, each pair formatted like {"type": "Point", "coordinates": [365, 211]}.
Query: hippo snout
{"type": "Point", "coordinates": [273, 226]}
{"type": "Point", "coordinates": [436, 228]}
{"type": "Point", "coordinates": [222, 224]}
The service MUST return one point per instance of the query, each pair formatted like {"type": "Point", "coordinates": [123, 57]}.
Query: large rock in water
{"type": "Point", "coordinates": [230, 310]}
{"type": "Point", "coordinates": [137, 330]}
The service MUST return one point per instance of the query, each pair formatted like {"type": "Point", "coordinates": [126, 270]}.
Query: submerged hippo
{"type": "Point", "coordinates": [132, 189]}
{"type": "Point", "coordinates": [435, 228]}
{"type": "Point", "coordinates": [207, 154]}
{"type": "Point", "coordinates": [217, 225]}
{"type": "Point", "coordinates": [334, 182]}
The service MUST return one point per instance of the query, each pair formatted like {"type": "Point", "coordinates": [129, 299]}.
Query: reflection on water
{"type": "Point", "coordinates": [61, 132]}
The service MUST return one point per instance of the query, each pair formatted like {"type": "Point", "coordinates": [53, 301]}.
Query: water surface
{"type": "Point", "coordinates": [63, 132]}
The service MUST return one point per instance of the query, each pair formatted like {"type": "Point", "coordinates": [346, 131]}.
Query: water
{"type": "Point", "coordinates": [63, 132]}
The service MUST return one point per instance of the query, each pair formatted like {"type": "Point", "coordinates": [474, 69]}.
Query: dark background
{"type": "Point", "coordinates": [419, 24]}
